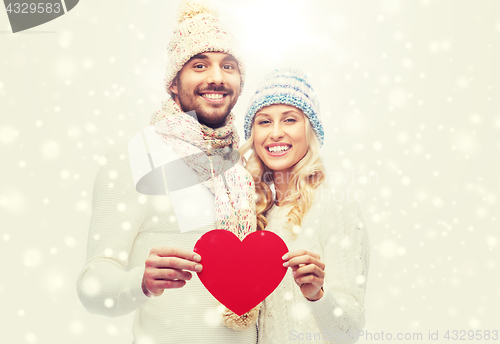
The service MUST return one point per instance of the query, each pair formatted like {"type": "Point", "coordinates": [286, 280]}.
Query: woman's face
{"type": "Point", "coordinates": [280, 137]}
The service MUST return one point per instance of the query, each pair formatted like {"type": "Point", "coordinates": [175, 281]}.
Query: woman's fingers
{"type": "Point", "coordinates": [306, 260]}
{"type": "Point", "coordinates": [309, 279]}
{"type": "Point", "coordinates": [310, 269]}
{"type": "Point", "coordinates": [300, 252]}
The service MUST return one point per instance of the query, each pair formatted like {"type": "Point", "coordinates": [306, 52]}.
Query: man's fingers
{"type": "Point", "coordinates": [166, 269]}
{"type": "Point", "coordinates": [169, 274]}
{"type": "Point", "coordinates": [163, 251]}
{"type": "Point", "coordinates": [176, 259]}
{"type": "Point", "coordinates": [161, 284]}
{"type": "Point", "coordinates": [179, 264]}
{"type": "Point", "coordinates": [171, 263]}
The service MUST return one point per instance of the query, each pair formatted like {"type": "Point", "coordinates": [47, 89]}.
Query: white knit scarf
{"type": "Point", "coordinates": [210, 152]}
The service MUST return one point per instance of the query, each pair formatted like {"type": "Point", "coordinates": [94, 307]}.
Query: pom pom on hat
{"type": "Point", "coordinates": [190, 8]}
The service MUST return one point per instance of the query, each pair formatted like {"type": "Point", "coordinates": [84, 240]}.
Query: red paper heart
{"type": "Point", "coordinates": [240, 274]}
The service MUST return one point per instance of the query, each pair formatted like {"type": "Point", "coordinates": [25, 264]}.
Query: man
{"type": "Point", "coordinates": [146, 218]}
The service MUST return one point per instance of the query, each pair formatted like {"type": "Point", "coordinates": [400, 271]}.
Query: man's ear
{"type": "Point", "coordinates": [173, 86]}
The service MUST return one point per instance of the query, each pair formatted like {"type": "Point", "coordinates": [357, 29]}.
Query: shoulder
{"type": "Point", "coordinates": [334, 198]}
{"type": "Point", "coordinates": [114, 167]}
{"type": "Point", "coordinates": [116, 158]}
{"type": "Point", "coordinates": [119, 150]}
{"type": "Point", "coordinates": [337, 207]}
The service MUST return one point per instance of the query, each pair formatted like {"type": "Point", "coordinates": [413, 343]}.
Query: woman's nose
{"type": "Point", "coordinates": [277, 131]}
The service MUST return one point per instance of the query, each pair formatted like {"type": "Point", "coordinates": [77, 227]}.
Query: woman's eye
{"type": "Point", "coordinates": [290, 120]}
{"type": "Point", "coordinates": [265, 121]}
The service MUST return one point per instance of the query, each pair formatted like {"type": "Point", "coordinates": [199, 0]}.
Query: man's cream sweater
{"type": "Point", "coordinates": [125, 225]}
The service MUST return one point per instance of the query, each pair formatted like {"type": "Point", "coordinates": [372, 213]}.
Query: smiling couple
{"type": "Point", "coordinates": [140, 259]}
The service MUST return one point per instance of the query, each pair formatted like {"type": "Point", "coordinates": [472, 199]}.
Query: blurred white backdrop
{"type": "Point", "coordinates": [409, 100]}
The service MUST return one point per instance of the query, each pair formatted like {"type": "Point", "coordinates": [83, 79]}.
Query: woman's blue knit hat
{"type": "Point", "coordinates": [288, 87]}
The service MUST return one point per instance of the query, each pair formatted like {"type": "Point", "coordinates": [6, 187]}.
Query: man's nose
{"type": "Point", "coordinates": [215, 76]}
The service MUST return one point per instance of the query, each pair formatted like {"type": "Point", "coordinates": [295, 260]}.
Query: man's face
{"type": "Point", "coordinates": [208, 83]}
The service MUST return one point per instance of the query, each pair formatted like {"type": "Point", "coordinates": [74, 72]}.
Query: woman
{"type": "Point", "coordinates": [321, 297]}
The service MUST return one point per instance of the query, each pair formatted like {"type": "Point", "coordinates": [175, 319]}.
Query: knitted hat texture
{"type": "Point", "coordinates": [288, 87]}
{"type": "Point", "coordinates": [198, 31]}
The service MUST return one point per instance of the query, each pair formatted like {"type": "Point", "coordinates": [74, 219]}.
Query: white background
{"type": "Point", "coordinates": [409, 100]}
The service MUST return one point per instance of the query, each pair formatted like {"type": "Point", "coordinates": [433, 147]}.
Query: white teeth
{"type": "Point", "coordinates": [276, 149]}
{"type": "Point", "coordinates": [213, 95]}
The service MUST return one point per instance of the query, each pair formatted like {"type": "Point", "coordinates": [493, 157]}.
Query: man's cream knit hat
{"type": "Point", "coordinates": [198, 31]}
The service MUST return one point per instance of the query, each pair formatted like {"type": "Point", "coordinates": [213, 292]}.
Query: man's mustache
{"type": "Point", "coordinates": [222, 89]}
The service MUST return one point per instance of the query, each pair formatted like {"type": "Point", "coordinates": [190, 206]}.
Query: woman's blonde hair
{"type": "Point", "coordinates": [306, 176]}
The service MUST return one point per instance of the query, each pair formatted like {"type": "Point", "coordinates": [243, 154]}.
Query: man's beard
{"type": "Point", "coordinates": [213, 117]}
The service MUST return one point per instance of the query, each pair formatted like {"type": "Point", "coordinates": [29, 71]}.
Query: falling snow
{"type": "Point", "coordinates": [50, 150]}
{"type": "Point", "coordinates": [8, 134]}
{"type": "Point", "coordinates": [418, 107]}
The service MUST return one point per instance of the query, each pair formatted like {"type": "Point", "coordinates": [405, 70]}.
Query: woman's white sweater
{"type": "Point", "coordinates": [334, 229]}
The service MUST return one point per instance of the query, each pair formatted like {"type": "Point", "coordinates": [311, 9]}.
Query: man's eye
{"type": "Point", "coordinates": [228, 67]}
{"type": "Point", "coordinates": [198, 66]}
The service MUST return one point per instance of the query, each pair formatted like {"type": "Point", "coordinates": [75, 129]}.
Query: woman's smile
{"type": "Point", "coordinates": [278, 149]}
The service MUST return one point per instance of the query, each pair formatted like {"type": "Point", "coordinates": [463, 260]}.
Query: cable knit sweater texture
{"type": "Point", "coordinates": [125, 225]}
{"type": "Point", "coordinates": [334, 229]}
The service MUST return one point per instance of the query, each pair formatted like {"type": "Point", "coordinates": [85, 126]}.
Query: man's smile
{"type": "Point", "coordinates": [214, 96]}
